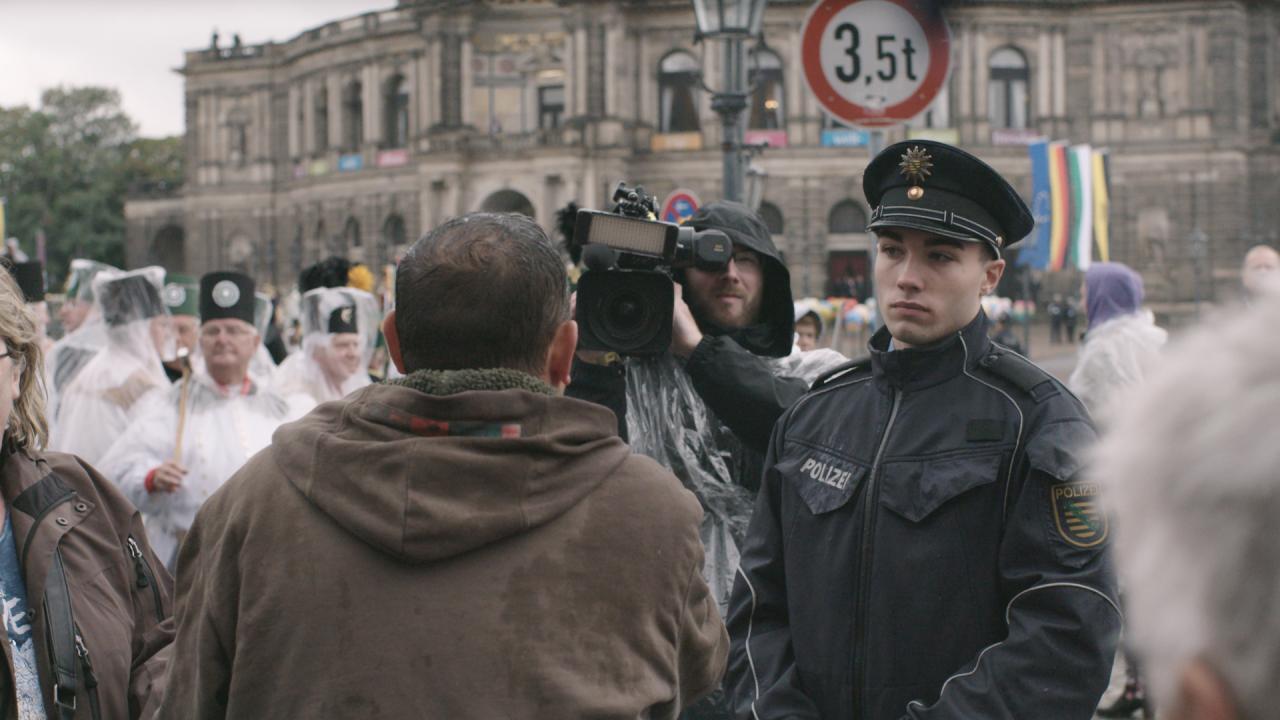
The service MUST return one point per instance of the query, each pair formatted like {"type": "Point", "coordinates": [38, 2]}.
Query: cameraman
{"type": "Point", "coordinates": [706, 409]}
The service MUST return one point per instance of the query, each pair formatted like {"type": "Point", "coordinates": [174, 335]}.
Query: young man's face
{"type": "Point", "coordinates": [928, 286]}
{"type": "Point", "coordinates": [730, 298]}
{"type": "Point", "coordinates": [806, 335]}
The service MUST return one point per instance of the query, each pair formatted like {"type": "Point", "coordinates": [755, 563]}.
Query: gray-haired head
{"type": "Point", "coordinates": [1190, 471]}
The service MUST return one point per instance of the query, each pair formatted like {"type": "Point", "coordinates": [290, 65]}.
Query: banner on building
{"type": "Point", "coordinates": [1035, 248]}
{"type": "Point", "coordinates": [1102, 204]}
{"type": "Point", "coordinates": [1070, 203]}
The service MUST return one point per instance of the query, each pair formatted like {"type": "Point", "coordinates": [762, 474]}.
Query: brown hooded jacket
{"type": "Point", "coordinates": [459, 545]}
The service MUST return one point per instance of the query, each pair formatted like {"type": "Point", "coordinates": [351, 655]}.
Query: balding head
{"type": "Point", "coordinates": [1260, 273]}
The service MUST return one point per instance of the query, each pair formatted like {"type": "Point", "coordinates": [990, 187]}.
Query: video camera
{"type": "Point", "coordinates": [626, 294]}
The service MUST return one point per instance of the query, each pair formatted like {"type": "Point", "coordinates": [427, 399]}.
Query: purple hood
{"type": "Point", "coordinates": [1113, 290]}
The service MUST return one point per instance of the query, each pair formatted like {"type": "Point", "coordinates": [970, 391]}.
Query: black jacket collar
{"type": "Point", "coordinates": [920, 368]}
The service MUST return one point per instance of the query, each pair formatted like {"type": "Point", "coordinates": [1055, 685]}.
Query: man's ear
{"type": "Point", "coordinates": [1204, 695]}
{"type": "Point", "coordinates": [393, 341]}
{"type": "Point", "coordinates": [560, 355]}
{"type": "Point", "coordinates": [993, 271]}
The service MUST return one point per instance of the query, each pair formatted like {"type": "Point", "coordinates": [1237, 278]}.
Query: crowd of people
{"type": "Point", "coordinates": [206, 516]}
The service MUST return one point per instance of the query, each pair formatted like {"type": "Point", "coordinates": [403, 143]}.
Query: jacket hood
{"type": "Point", "coordinates": [1113, 289]}
{"type": "Point", "coordinates": [772, 337]}
{"type": "Point", "coordinates": [443, 462]}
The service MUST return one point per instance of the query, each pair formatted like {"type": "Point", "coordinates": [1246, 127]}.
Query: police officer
{"type": "Point", "coordinates": [923, 545]}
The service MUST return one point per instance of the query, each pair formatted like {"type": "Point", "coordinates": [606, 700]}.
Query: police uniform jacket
{"type": "Point", "coordinates": [923, 547]}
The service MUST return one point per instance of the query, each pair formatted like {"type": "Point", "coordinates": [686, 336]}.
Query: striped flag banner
{"type": "Point", "coordinates": [1059, 206]}
{"type": "Point", "coordinates": [1102, 203]}
{"type": "Point", "coordinates": [1081, 171]}
{"type": "Point", "coordinates": [1035, 249]}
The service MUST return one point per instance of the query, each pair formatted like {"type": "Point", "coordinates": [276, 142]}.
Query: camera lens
{"type": "Point", "coordinates": [626, 315]}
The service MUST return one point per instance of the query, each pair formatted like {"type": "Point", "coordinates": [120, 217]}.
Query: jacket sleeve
{"type": "Point", "coordinates": [152, 637]}
{"type": "Point", "coordinates": [761, 682]}
{"type": "Point", "coordinates": [1063, 616]}
{"type": "Point", "coordinates": [199, 682]}
{"type": "Point", "coordinates": [603, 385]}
{"type": "Point", "coordinates": [704, 644]}
{"type": "Point", "coordinates": [742, 389]}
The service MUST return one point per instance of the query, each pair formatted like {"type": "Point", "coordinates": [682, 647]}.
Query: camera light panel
{"type": "Point", "coordinates": [646, 237]}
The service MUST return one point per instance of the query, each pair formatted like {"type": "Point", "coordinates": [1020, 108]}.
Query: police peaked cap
{"type": "Point", "coordinates": [30, 278]}
{"type": "Point", "coordinates": [226, 295]}
{"type": "Point", "coordinates": [941, 189]}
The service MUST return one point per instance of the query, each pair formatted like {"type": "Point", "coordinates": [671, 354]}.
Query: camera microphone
{"type": "Point", "coordinates": [599, 257]}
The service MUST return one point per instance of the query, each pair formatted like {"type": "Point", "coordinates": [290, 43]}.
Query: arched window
{"type": "Point", "coordinates": [396, 115]}
{"type": "Point", "coordinates": [772, 217]}
{"type": "Point", "coordinates": [1008, 99]}
{"type": "Point", "coordinates": [322, 120]}
{"type": "Point", "coordinates": [393, 232]}
{"type": "Point", "coordinates": [846, 216]}
{"type": "Point", "coordinates": [353, 115]}
{"type": "Point", "coordinates": [768, 110]}
{"type": "Point", "coordinates": [351, 233]}
{"type": "Point", "coordinates": [678, 93]}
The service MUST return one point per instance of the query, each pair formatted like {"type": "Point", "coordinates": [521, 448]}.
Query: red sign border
{"type": "Point", "coordinates": [673, 195]}
{"type": "Point", "coordinates": [938, 34]}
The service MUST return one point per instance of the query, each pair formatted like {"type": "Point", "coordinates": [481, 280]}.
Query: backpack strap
{"type": "Point", "coordinates": [62, 639]}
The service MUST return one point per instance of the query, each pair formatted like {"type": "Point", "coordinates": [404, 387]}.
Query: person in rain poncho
{"type": "Point", "coordinates": [182, 298]}
{"type": "Point", "coordinates": [97, 405]}
{"type": "Point", "coordinates": [186, 441]}
{"type": "Point", "coordinates": [339, 328]}
{"type": "Point", "coordinates": [1120, 349]}
{"type": "Point", "coordinates": [83, 332]}
{"type": "Point", "coordinates": [706, 409]}
{"type": "Point", "coordinates": [1122, 341]}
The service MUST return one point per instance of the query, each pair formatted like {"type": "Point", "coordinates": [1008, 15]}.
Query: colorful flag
{"type": "Point", "coordinates": [1059, 205]}
{"type": "Point", "coordinates": [1102, 204]}
{"type": "Point", "coordinates": [1081, 164]}
{"type": "Point", "coordinates": [1035, 249]}
{"type": "Point", "coordinates": [2, 237]}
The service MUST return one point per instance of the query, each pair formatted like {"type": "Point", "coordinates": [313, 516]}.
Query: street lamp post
{"type": "Point", "coordinates": [732, 22]}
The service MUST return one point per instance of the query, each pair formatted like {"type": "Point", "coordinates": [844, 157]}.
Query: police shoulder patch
{"type": "Point", "coordinates": [1076, 513]}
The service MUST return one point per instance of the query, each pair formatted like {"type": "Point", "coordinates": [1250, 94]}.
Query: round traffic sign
{"type": "Point", "coordinates": [679, 206]}
{"type": "Point", "coordinates": [875, 62]}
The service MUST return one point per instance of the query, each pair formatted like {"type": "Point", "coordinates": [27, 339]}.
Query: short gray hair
{"type": "Point", "coordinates": [1192, 474]}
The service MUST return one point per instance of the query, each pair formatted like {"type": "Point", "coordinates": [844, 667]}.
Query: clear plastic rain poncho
{"type": "Point", "coordinates": [220, 432]}
{"type": "Point", "coordinates": [340, 329]}
{"type": "Point", "coordinates": [75, 349]}
{"type": "Point", "coordinates": [96, 406]}
{"type": "Point", "coordinates": [669, 422]}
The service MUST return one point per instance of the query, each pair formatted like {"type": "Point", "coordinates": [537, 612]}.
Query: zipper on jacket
{"type": "Point", "coordinates": [870, 501]}
{"type": "Point", "coordinates": [145, 578]}
{"type": "Point", "coordinates": [90, 679]}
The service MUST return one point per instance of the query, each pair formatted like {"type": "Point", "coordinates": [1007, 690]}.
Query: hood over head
{"type": "Point", "coordinates": [772, 336]}
{"type": "Point", "coordinates": [1113, 289]}
{"type": "Point", "coordinates": [440, 463]}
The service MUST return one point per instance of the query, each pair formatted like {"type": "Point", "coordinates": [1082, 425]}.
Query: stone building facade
{"type": "Point", "coordinates": [356, 136]}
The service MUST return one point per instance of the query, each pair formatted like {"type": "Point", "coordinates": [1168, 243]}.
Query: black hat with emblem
{"type": "Point", "coordinates": [30, 278]}
{"type": "Point", "coordinates": [181, 294]}
{"type": "Point", "coordinates": [939, 188]}
{"type": "Point", "coordinates": [226, 295]}
{"type": "Point", "coordinates": [343, 320]}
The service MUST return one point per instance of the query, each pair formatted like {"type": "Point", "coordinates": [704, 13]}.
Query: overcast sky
{"type": "Point", "coordinates": [134, 45]}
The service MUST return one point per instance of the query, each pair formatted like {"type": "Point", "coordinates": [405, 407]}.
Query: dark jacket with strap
{"type": "Point", "coordinates": [99, 599]}
{"type": "Point", "coordinates": [923, 546]}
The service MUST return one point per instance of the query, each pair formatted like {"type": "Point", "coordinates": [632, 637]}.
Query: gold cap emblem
{"type": "Point", "coordinates": [916, 165]}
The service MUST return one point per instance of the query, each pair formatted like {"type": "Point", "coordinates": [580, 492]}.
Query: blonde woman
{"type": "Point", "coordinates": [86, 602]}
